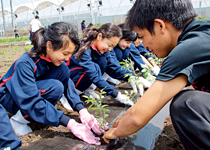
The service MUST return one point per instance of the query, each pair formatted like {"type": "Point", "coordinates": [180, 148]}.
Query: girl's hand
{"type": "Point", "coordinates": [90, 121]}
{"type": "Point", "coordinates": [83, 133]}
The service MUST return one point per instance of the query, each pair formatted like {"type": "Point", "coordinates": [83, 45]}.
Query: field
{"type": "Point", "coordinates": [168, 140]}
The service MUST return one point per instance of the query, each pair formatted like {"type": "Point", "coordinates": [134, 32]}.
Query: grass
{"type": "Point", "coordinates": [8, 55]}
{"type": "Point", "coordinates": [13, 40]}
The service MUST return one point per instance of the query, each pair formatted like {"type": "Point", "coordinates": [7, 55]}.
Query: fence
{"type": "Point", "coordinates": [23, 25]}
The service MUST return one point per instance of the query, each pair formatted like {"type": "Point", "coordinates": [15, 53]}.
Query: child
{"type": "Point", "coordinates": [93, 59]}
{"type": "Point", "coordinates": [168, 28]}
{"type": "Point", "coordinates": [16, 32]}
{"type": "Point", "coordinates": [126, 49]}
{"type": "Point", "coordinates": [34, 84]}
{"type": "Point", "coordinates": [83, 26]}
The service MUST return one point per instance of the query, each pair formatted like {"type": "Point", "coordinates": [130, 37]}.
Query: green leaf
{"type": "Point", "coordinates": [106, 115]}
{"type": "Point", "coordinates": [106, 110]}
{"type": "Point", "coordinates": [85, 96]}
{"type": "Point", "coordinates": [100, 120]}
{"type": "Point", "coordinates": [104, 106]}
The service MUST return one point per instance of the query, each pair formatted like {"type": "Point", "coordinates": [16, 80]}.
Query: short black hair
{"type": "Point", "coordinates": [127, 34]}
{"type": "Point", "coordinates": [36, 17]}
{"type": "Point", "coordinates": [144, 12]}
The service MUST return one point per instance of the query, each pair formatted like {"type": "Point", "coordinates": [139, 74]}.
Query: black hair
{"type": "Point", "coordinates": [127, 34]}
{"type": "Point", "coordinates": [58, 34]}
{"type": "Point", "coordinates": [144, 12]}
{"type": "Point", "coordinates": [82, 21]}
{"type": "Point", "coordinates": [107, 30]}
{"type": "Point", "coordinates": [36, 17]}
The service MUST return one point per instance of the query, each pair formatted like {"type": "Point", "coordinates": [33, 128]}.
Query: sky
{"type": "Point", "coordinates": [6, 3]}
{"type": "Point", "coordinates": [79, 6]}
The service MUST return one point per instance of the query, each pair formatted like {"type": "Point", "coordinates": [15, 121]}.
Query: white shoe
{"type": "Point", "coordinates": [65, 103]}
{"type": "Point", "coordinates": [19, 124]}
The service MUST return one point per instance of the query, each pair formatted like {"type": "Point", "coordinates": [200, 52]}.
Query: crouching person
{"type": "Point", "coordinates": [34, 84]}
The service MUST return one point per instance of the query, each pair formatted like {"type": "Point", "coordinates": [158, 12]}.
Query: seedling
{"type": "Point", "coordinates": [99, 108]}
{"type": "Point", "coordinates": [128, 65]}
{"type": "Point", "coordinates": [146, 70]}
{"type": "Point", "coordinates": [131, 96]}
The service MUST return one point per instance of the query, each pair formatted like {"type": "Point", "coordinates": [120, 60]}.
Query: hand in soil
{"type": "Point", "coordinates": [109, 135]}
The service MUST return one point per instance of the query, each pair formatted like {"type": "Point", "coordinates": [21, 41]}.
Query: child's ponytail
{"type": "Point", "coordinates": [39, 43]}
{"type": "Point", "coordinates": [59, 34]}
{"type": "Point", "coordinates": [107, 30]}
{"type": "Point", "coordinates": [89, 35]}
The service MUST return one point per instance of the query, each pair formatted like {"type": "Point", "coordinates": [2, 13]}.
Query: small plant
{"type": "Point", "coordinates": [146, 71]}
{"type": "Point", "coordinates": [99, 108]}
{"type": "Point", "coordinates": [128, 65]}
{"type": "Point", "coordinates": [156, 60]}
{"type": "Point", "coordinates": [131, 95]}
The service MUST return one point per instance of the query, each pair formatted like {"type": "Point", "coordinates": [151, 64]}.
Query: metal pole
{"type": "Point", "coordinates": [2, 7]}
{"type": "Point", "coordinates": [92, 12]}
{"type": "Point", "coordinates": [11, 14]}
{"type": "Point", "coordinates": [97, 11]}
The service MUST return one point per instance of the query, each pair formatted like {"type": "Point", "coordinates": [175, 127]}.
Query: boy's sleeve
{"type": "Point", "coordinates": [189, 57]}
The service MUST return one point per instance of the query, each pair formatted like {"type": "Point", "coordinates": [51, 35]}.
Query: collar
{"type": "Point", "coordinates": [44, 58]}
{"type": "Point", "coordinates": [93, 47]}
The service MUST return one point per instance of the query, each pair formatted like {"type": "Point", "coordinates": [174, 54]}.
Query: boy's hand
{"type": "Point", "coordinates": [116, 123]}
{"type": "Point", "coordinates": [109, 135]}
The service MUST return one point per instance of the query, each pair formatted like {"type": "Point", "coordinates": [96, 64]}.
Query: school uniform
{"type": "Point", "coordinates": [130, 52]}
{"type": "Point", "coordinates": [146, 53]}
{"type": "Point", "coordinates": [190, 108]}
{"type": "Point", "coordinates": [33, 86]}
{"type": "Point", "coordinates": [90, 68]}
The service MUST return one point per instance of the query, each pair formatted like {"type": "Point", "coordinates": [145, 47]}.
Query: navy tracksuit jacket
{"type": "Point", "coordinates": [33, 86]}
{"type": "Point", "coordinates": [90, 68]}
{"type": "Point", "coordinates": [130, 52]}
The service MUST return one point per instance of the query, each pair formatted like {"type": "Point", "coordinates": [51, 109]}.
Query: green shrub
{"type": "Point", "coordinates": [201, 18]}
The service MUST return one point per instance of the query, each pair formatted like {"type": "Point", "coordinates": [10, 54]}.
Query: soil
{"type": "Point", "coordinates": [168, 140]}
